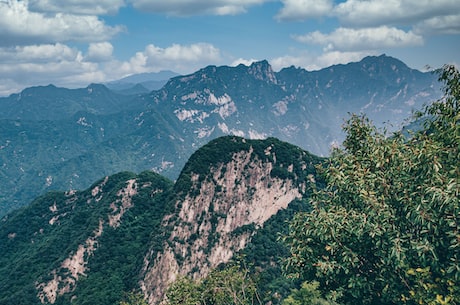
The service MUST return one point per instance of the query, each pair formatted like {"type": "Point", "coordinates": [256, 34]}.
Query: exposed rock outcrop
{"type": "Point", "coordinates": [217, 219]}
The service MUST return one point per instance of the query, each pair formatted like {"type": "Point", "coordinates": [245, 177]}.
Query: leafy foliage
{"type": "Point", "coordinates": [264, 254]}
{"type": "Point", "coordinates": [231, 285]}
{"type": "Point", "coordinates": [385, 230]}
{"type": "Point", "coordinates": [309, 294]}
{"type": "Point", "coordinates": [133, 298]}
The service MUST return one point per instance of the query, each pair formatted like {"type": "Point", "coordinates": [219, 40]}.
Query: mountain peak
{"type": "Point", "coordinates": [263, 71]}
{"type": "Point", "coordinates": [38, 89]}
{"type": "Point", "coordinates": [383, 61]}
{"type": "Point", "coordinates": [96, 86]}
{"type": "Point", "coordinates": [263, 63]}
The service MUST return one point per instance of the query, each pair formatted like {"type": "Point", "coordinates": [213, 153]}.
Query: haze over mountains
{"type": "Point", "coordinates": [61, 139]}
{"type": "Point", "coordinates": [141, 83]}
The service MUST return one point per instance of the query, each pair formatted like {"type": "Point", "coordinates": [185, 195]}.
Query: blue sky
{"type": "Point", "coordinates": [73, 43]}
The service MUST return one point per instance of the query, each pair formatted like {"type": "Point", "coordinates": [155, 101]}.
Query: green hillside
{"type": "Point", "coordinates": [36, 239]}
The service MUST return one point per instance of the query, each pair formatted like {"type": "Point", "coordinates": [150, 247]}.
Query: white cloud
{"type": "Point", "coordinates": [61, 65]}
{"type": "Point", "coordinates": [191, 53]}
{"type": "Point", "coordinates": [369, 25]}
{"type": "Point", "coordinates": [81, 7]}
{"type": "Point", "coordinates": [99, 51]}
{"type": "Point", "coordinates": [196, 7]}
{"type": "Point", "coordinates": [397, 12]}
{"type": "Point", "coordinates": [335, 57]}
{"type": "Point", "coordinates": [8, 86]}
{"type": "Point", "coordinates": [37, 53]}
{"type": "Point", "coordinates": [439, 25]}
{"type": "Point", "coordinates": [179, 58]}
{"type": "Point", "coordinates": [304, 9]}
{"type": "Point", "coordinates": [246, 62]}
{"type": "Point", "coordinates": [345, 39]}
{"type": "Point", "coordinates": [303, 61]}
{"type": "Point", "coordinates": [45, 64]}
{"type": "Point", "coordinates": [182, 59]}
{"type": "Point", "coordinates": [20, 26]}
{"type": "Point", "coordinates": [426, 16]}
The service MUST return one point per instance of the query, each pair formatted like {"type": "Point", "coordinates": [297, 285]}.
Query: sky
{"type": "Point", "coordinates": [72, 43]}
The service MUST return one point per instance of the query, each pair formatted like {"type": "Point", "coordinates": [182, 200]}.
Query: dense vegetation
{"type": "Point", "coordinates": [231, 285]}
{"type": "Point", "coordinates": [385, 230]}
{"type": "Point", "coordinates": [31, 247]}
{"type": "Point", "coordinates": [264, 254]}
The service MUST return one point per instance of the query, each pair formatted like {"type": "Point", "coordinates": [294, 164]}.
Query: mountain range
{"type": "Point", "coordinates": [105, 192]}
{"type": "Point", "coordinates": [65, 139]}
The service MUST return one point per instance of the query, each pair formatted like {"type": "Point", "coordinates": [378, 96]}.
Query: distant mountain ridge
{"type": "Point", "coordinates": [52, 103]}
{"type": "Point", "coordinates": [301, 107]}
{"type": "Point", "coordinates": [56, 138]}
{"type": "Point", "coordinates": [137, 82]}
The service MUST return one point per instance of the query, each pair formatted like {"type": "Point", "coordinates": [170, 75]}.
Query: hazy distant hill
{"type": "Point", "coordinates": [45, 103]}
{"type": "Point", "coordinates": [59, 139]}
{"type": "Point", "coordinates": [135, 83]}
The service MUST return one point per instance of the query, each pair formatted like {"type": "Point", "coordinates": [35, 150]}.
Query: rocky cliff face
{"type": "Point", "coordinates": [218, 216]}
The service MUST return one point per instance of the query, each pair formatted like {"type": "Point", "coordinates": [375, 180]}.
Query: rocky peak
{"type": "Point", "coordinates": [263, 71]}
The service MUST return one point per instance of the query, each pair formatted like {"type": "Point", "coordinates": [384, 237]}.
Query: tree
{"type": "Point", "coordinates": [134, 298]}
{"type": "Point", "coordinates": [185, 291]}
{"type": "Point", "coordinates": [230, 285]}
{"type": "Point", "coordinates": [309, 294]}
{"type": "Point", "coordinates": [386, 228]}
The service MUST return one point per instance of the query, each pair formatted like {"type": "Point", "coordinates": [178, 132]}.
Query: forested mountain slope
{"type": "Point", "coordinates": [140, 231]}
